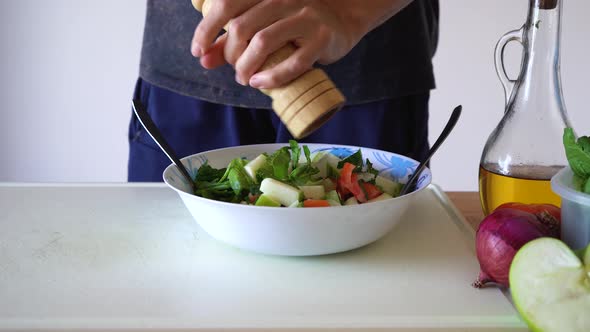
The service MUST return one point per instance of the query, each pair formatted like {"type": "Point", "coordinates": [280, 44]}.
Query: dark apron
{"type": "Point", "coordinates": [191, 125]}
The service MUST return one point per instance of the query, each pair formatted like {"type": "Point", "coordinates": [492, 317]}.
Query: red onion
{"type": "Point", "coordinates": [501, 234]}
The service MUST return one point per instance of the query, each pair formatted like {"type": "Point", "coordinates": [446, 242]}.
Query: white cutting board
{"type": "Point", "coordinates": [130, 257]}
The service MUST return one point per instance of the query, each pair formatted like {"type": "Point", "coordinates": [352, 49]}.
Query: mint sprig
{"type": "Point", "coordinates": [578, 156]}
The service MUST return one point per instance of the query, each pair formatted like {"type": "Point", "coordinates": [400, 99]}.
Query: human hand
{"type": "Point", "coordinates": [322, 31]}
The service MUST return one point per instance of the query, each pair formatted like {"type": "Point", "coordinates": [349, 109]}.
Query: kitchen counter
{"type": "Point", "coordinates": [129, 257]}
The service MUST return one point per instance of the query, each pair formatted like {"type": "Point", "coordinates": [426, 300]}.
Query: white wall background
{"type": "Point", "coordinates": [68, 67]}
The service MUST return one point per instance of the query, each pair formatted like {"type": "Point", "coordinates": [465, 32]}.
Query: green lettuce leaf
{"type": "Point", "coordinates": [584, 143]}
{"type": "Point", "coordinates": [586, 187]}
{"type": "Point", "coordinates": [303, 174]}
{"type": "Point", "coordinates": [280, 163]}
{"type": "Point", "coordinates": [237, 178]}
{"type": "Point", "coordinates": [295, 153]}
{"type": "Point", "coordinates": [355, 159]}
{"type": "Point", "coordinates": [371, 170]}
{"type": "Point", "coordinates": [206, 173]}
{"type": "Point", "coordinates": [307, 154]}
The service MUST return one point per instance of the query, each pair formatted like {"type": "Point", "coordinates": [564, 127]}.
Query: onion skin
{"type": "Point", "coordinates": [548, 214]}
{"type": "Point", "coordinates": [501, 234]}
{"type": "Point", "coordinates": [535, 209]}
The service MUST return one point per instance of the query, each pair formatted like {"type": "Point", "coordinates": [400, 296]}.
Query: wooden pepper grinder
{"type": "Point", "coordinates": [306, 103]}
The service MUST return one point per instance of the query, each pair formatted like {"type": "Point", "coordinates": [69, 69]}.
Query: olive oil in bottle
{"type": "Point", "coordinates": [525, 184]}
{"type": "Point", "coordinates": [526, 149]}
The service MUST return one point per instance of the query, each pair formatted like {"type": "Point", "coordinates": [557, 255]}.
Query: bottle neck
{"type": "Point", "coordinates": [542, 39]}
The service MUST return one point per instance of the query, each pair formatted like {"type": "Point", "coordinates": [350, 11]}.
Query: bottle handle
{"type": "Point", "coordinates": [507, 83]}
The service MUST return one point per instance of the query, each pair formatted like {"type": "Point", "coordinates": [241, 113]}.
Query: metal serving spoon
{"type": "Point", "coordinates": [152, 129]}
{"type": "Point", "coordinates": [445, 133]}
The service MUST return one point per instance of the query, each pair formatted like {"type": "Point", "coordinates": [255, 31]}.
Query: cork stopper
{"type": "Point", "coordinates": [306, 103]}
{"type": "Point", "coordinates": [545, 4]}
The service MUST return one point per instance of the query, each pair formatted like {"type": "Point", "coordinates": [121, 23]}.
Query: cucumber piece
{"type": "Point", "coordinates": [281, 192]}
{"type": "Point", "coordinates": [313, 192]}
{"type": "Point", "coordinates": [385, 184]}
{"type": "Point", "coordinates": [326, 163]}
{"type": "Point", "coordinates": [332, 196]}
{"type": "Point", "coordinates": [317, 156]}
{"type": "Point", "coordinates": [253, 166]}
{"type": "Point", "coordinates": [388, 186]}
{"type": "Point", "coordinates": [365, 176]}
{"type": "Point", "coordinates": [333, 203]}
{"type": "Point", "coordinates": [265, 200]}
{"type": "Point", "coordinates": [381, 197]}
{"type": "Point", "coordinates": [332, 171]}
{"type": "Point", "coordinates": [329, 184]}
{"type": "Point", "coordinates": [296, 205]}
{"type": "Point", "coordinates": [319, 182]}
{"type": "Point", "coordinates": [351, 201]}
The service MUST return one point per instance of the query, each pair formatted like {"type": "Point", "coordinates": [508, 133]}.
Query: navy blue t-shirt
{"type": "Point", "coordinates": [393, 60]}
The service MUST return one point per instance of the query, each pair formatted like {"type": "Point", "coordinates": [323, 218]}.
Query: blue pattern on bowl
{"type": "Point", "coordinates": [192, 166]}
{"type": "Point", "coordinates": [397, 167]}
{"type": "Point", "coordinates": [338, 152]}
{"type": "Point", "coordinates": [390, 165]}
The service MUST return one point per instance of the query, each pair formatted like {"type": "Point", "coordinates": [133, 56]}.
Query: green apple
{"type": "Point", "coordinates": [584, 254]}
{"type": "Point", "coordinates": [550, 286]}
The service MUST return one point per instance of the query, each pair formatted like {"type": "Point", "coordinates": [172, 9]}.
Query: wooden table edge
{"type": "Point", "coordinates": [469, 204]}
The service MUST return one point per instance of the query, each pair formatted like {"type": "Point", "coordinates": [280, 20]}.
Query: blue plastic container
{"type": "Point", "coordinates": [575, 210]}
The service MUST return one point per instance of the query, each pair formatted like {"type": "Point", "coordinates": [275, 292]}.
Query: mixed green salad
{"type": "Point", "coordinates": [292, 177]}
{"type": "Point", "coordinates": [578, 156]}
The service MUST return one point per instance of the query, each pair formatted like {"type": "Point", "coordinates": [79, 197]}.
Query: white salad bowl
{"type": "Point", "coordinates": [297, 231]}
